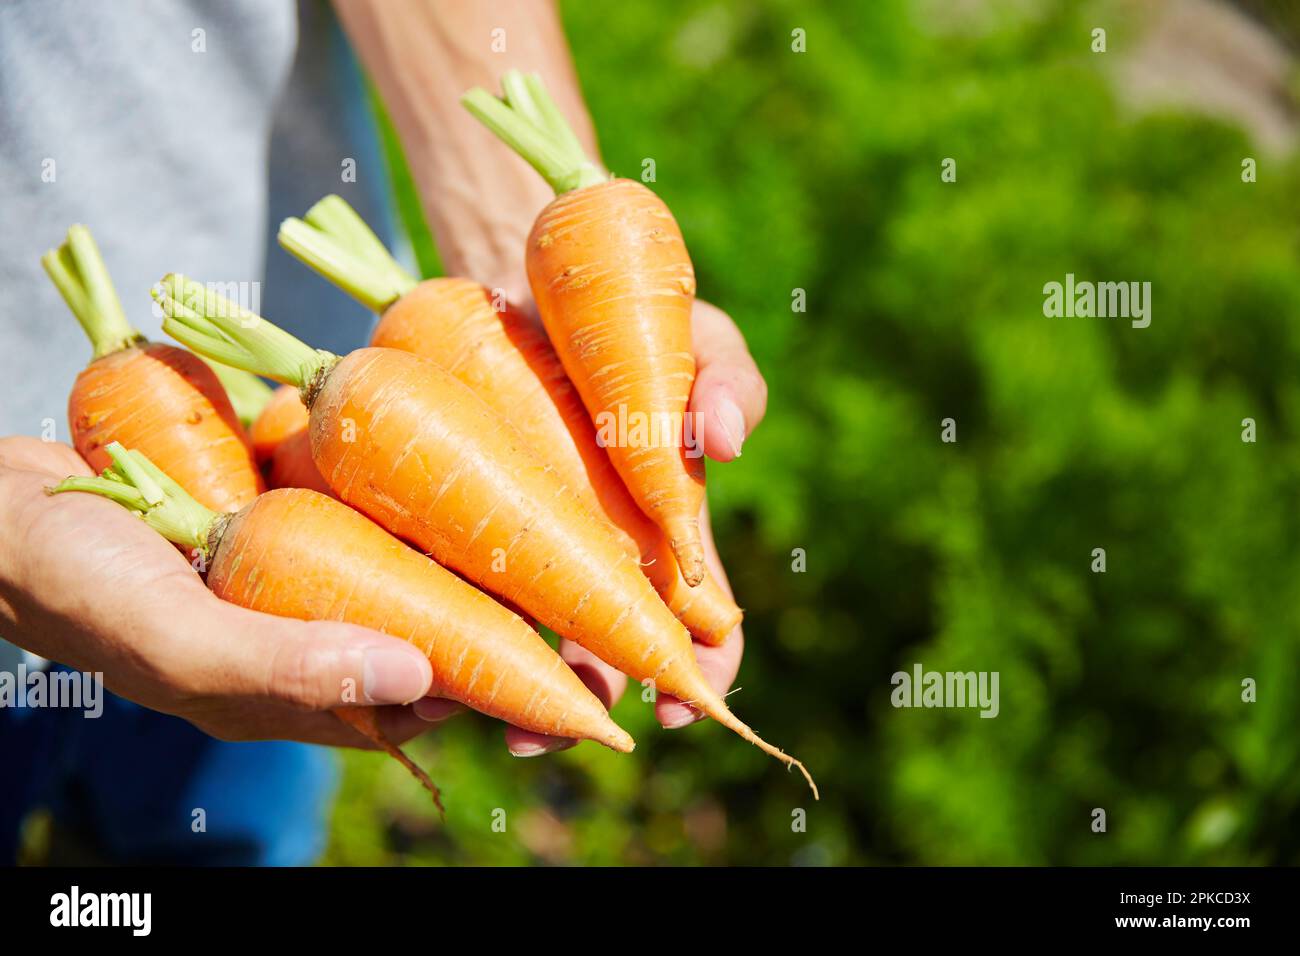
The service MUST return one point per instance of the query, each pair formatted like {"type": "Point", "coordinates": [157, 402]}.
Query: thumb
{"type": "Point", "coordinates": [316, 665]}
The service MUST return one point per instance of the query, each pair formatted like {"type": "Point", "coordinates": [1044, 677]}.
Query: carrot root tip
{"type": "Point", "coordinates": [364, 721]}
{"type": "Point", "coordinates": [684, 539]}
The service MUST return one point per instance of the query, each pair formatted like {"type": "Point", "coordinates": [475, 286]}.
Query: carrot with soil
{"type": "Point", "coordinates": [615, 288]}
{"type": "Point", "coordinates": [155, 397]}
{"type": "Point", "coordinates": [509, 363]}
{"type": "Point", "coordinates": [296, 553]}
{"type": "Point", "coordinates": [408, 444]}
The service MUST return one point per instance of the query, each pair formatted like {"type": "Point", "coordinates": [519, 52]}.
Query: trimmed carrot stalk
{"type": "Point", "coordinates": [615, 288]}
{"type": "Point", "coordinates": [296, 553]}
{"type": "Point", "coordinates": [510, 364]}
{"type": "Point", "coordinates": [408, 444]}
{"type": "Point", "coordinates": [161, 399]}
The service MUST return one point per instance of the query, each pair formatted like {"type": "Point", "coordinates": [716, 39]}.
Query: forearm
{"type": "Point", "coordinates": [480, 199]}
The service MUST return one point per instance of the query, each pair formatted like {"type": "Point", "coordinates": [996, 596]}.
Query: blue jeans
{"type": "Point", "coordinates": [129, 783]}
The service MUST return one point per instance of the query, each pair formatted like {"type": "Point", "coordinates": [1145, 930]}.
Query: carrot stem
{"type": "Point", "coordinates": [135, 482]}
{"type": "Point", "coordinates": [528, 121]}
{"type": "Point", "coordinates": [133, 473]}
{"type": "Point", "coordinates": [79, 273]}
{"type": "Point", "coordinates": [334, 217]}
{"type": "Point", "coordinates": [217, 328]}
{"type": "Point", "coordinates": [115, 490]}
{"type": "Point", "coordinates": [375, 287]}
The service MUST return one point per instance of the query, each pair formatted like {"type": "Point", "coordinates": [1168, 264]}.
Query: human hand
{"type": "Point", "coordinates": [730, 398]}
{"type": "Point", "coordinates": [86, 583]}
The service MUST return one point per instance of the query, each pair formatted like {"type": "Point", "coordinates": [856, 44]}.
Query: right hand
{"type": "Point", "coordinates": [86, 583]}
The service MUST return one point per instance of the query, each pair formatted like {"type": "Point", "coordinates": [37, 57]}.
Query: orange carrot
{"type": "Point", "coordinates": [406, 443]}
{"type": "Point", "coordinates": [615, 287]}
{"type": "Point", "coordinates": [292, 466]}
{"type": "Point", "coordinates": [282, 446]}
{"type": "Point", "coordinates": [280, 418]}
{"type": "Point", "coordinates": [296, 553]}
{"type": "Point", "coordinates": [163, 400]}
{"type": "Point", "coordinates": [509, 363]}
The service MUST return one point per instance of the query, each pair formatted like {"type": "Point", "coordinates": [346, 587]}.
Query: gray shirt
{"type": "Point", "coordinates": [181, 133]}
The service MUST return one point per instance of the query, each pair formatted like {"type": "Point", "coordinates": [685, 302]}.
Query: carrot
{"type": "Point", "coordinates": [156, 397]}
{"type": "Point", "coordinates": [296, 553]}
{"type": "Point", "coordinates": [615, 287]}
{"type": "Point", "coordinates": [281, 417]}
{"type": "Point", "coordinates": [509, 363]}
{"type": "Point", "coordinates": [281, 444]}
{"type": "Point", "coordinates": [292, 466]}
{"type": "Point", "coordinates": [406, 443]}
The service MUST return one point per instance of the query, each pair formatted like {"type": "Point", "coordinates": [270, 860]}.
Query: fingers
{"type": "Point", "coordinates": [434, 710]}
{"type": "Point", "coordinates": [278, 722]}
{"type": "Point", "coordinates": [31, 454]}
{"type": "Point", "coordinates": [304, 665]}
{"type": "Point", "coordinates": [602, 680]}
{"type": "Point", "coordinates": [730, 395]}
{"type": "Point", "coordinates": [720, 666]}
{"type": "Point", "coordinates": [606, 682]}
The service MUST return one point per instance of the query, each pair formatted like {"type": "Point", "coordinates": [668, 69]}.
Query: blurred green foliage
{"type": "Point", "coordinates": [821, 171]}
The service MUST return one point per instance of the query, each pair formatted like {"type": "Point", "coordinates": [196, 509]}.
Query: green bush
{"type": "Point", "coordinates": [820, 171]}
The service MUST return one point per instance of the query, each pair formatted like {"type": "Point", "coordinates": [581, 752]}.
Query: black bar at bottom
{"type": "Point", "coordinates": [352, 905]}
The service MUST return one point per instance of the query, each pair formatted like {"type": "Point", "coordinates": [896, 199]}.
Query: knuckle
{"type": "Point", "coordinates": [293, 675]}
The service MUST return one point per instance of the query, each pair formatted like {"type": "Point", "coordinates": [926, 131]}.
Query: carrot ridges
{"type": "Point", "coordinates": [615, 289]}
{"type": "Point", "coordinates": [509, 362]}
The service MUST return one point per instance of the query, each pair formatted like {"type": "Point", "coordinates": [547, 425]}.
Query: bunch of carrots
{"type": "Point", "coordinates": [447, 484]}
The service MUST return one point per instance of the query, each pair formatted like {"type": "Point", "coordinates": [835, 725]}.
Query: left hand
{"type": "Point", "coordinates": [730, 395]}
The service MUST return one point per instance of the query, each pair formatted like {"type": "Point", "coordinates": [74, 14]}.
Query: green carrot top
{"type": "Point", "coordinates": [78, 271]}
{"type": "Point", "coordinates": [336, 242]}
{"type": "Point", "coordinates": [225, 332]}
{"type": "Point", "coordinates": [136, 483]}
{"type": "Point", "coordinates": [529, 122]}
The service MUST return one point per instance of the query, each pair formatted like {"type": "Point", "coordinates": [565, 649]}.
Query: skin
{"type": "Point", "coordinates": [85, 582]}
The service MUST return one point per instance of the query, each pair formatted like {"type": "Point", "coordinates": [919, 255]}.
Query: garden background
{"type": "Point", "coordinates": [1120, 690]}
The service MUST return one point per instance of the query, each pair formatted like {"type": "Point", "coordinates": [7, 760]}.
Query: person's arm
{"type": "Point", "coordinates": [479, 198]}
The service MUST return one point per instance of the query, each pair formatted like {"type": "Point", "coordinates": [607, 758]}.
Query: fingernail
{"type": "Point", "coordinates": [688, 716]}
{"type": "Point", "coordinates": [537, 750]}
{"type": "Point", "coordinates": [392, 676]}
{"type": "Point", "coordinates": [435, 709]}
{"type": "Point", "coordinates": [733, 424]}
